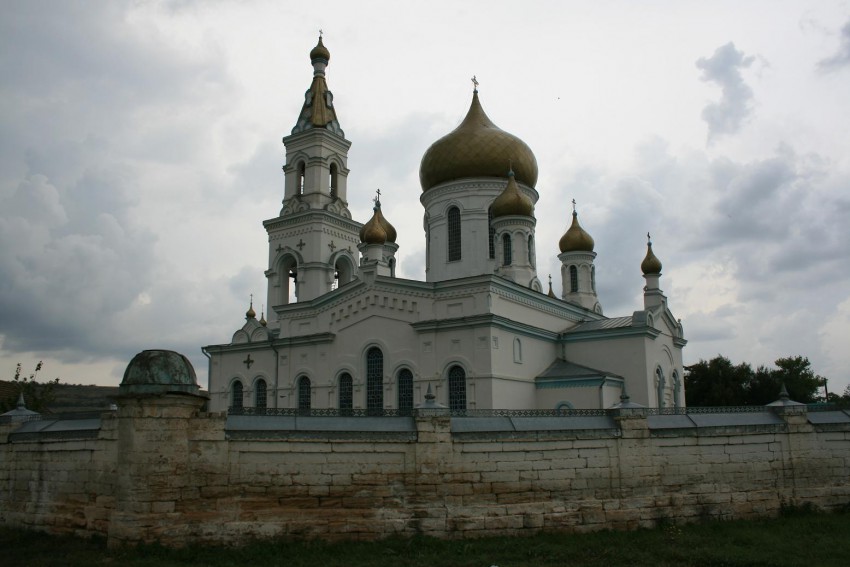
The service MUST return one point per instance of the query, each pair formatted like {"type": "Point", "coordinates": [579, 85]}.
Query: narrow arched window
{"type": "Point", "coordinates": [302, 173]}
{"type": "Point", "coordinates": [260, 394]}
{"type": "Point", "coordinates": [531, 259]}
{"type": "Point", "coordinates": [346, 391]}
{"type": "Point", "coordinates": [374, 379]}
{"type": "Point", "coordinates": [405, 390]}
{"type": "Point", "coordinates": [332, 182]}
{"type": "Point", "coordinates": [677, 389]}
{"type": "Point", "coordinates": [507, 250]}
{"type": "Point", "coordinates": [660, 385]}
{"type": "Point", "coordinates": [517, 351]}
{"type": "Point", "coordinates": [454, 234]}
{"type": "Point", "coordinates": [593, 278]}
{"type": "Point", "coordinates": [304, 393]}
{"type": "Point", "coordinates": [236, 395]}
{"type": "Point", "coordinates": [457, 388]}
{"type": "Point", "coordinates": [491, 233]}
{"type": "Point", "coordinates": [573, 279]}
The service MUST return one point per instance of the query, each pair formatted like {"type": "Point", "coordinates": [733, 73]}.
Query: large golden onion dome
{"type": "Point", "coordinates": [576, 239]}
{"type": "Point", "coordinates": [385, 224]}
{"type": "Point", "coordinates": [512, 201]}
{"type": "Point", "coordinates": [373, 232]}
{"type": "Point", "coordinates": [651, 265]}
{"type": "Point", "coordinates": [476, 148]}
{"type": "Point", "coordinates": [320, 52]}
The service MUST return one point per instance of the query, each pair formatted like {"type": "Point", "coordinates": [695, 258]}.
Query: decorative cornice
{"type": "Point", "coordinates": [603, 334]}
{"type": "Point", "coordinates": [311, 216]}
{"type": "Point", "coordinates": [488, 320]}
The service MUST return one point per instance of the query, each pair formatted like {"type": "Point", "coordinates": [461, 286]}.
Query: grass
{"type": "Point", "coordinates": [800, 537]}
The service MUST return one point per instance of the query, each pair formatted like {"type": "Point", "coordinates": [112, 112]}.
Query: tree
{"type": "Point", "coordinates": [718, 382]}
{"type": "Point", "coordinates": [37, 395]}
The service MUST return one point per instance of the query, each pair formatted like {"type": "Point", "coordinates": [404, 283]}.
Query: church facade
{"type": "Point", "coordinates": [480, 332]}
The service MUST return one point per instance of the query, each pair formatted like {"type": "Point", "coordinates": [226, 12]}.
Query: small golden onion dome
{"type": "Point", "coordinates": [373, 231]}
{"type": "Point", "coordinates": [651, 265]}
{"type": "Point", "coordinates": [551, 293]}
{"type": "Point", "coordinates": [512, 201]}
{"type": "Point", "coordinates": [576, 239]}
{"type": "Point", "coordinates": [263, 321]}
{"type": "Point", "coordinates": [250, 314]}
{"type": "Point", "coordinates": [320, 52]}
{"type": "Point", "coordinates": [476, 148]}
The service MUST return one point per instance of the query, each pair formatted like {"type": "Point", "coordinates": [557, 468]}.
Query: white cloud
{"type": "Point", "coordinates": [735, 105]}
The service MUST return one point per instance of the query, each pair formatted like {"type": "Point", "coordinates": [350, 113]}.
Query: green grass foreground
{"type": "Point", "coordinates": [798, 538]}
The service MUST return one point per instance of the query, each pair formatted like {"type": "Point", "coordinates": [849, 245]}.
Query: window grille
{"type": "Point", "coordinates": [454, 234]}
{"type": "Point", "coordinates": [405, 390]}
{"type": "Point", "coordinates": [506, 250]}
{"type": "Point", "coordinates": [236, 395]}
{"type": "Point", "coordinates": [260, 394]}
{"type": "Point", "coordinates": [457, 388]}
{"type": "Point", "coordinates": [304, 393]}
{"type": "Point", "coordinates": [573, 279]}
{"type": "Point", "coordinates": [492, 239]}
{"type": "Point", "coordinates": [374, 379]}
{"type": "Point", "coordinates": [346, 392]}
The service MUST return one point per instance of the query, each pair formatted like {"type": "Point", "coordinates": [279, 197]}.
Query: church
{"type": "Point", "coordinates": [480, 333]}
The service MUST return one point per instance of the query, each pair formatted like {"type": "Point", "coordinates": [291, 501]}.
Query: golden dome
{"type": "Point", "coordinates": [576, 239]}
{"type": "Point", "coordinates": [651, 264]}
{"type": "Point", "coordinates": [512, 201]}
{"type": "Point", "coordinates": [373, 232]}
{"type": "Point", "coordinates": [320, 52]}
{"type": "Point", "coordinates": [250, 314]}
{"type": "Point", "coordinates": [476, 148]}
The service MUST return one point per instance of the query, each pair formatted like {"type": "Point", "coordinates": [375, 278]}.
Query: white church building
{"type": "Point", "coordinates": [480, 332]}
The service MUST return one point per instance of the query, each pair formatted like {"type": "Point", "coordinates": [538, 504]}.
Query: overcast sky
{"type": "Point", "coordinates": [140, 152]}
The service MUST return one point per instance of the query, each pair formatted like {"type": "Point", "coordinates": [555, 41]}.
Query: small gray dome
{"type": "Point", "coordinates": [159, 371]}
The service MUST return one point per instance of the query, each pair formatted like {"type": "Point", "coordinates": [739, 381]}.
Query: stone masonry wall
{"type": "Point", "coordinates": [165, 473]}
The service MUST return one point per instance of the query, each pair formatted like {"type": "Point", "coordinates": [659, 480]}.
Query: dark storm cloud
{"type": "Point", "coordinates": [96, 105]}
{"type": "Point", "coordinates": [735, 105]}
{"type": "Point", "coordinates": [840, 58]}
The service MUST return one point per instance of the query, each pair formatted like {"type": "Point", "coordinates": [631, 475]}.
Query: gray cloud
{"type": "Point", "coordinates": [735, 105]}
{"type": "Point", "coordinates": [840, 58]}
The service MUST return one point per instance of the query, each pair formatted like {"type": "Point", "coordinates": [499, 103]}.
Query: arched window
{"type": "Point", "coordinates": [506, 250]}
{"type": "Point", "coordinates": [302, 171]}
{"type": "Point", "coordinates": [405, 390]}
{"type": "Point", "coordinates": [346, 391]}
{"type": "Point", "coordinates": [517, 351]}
{"type": "Point", "coordinates": [677, 389]}
{"type": "Point", "coordinates": [492, 234]}
{"type": "Point", "coordinates": [374, 379]}
{"type": "Point", "coordinates": [236, 395]}
{"type": "Point", "coordinates": [333, 180]}
{"type": "Point", "coordinates": [304, 392]}
{"type": "Point", "coordinates": [288, 280]}
{"type": "Point", "coordinates": [343, 272]}
{"type": "Point", "coordinates": [531, 259]}
{"type": "Point", "coordinates": [457, 388]}
{"type": "Point", "coordinates": [573, 279]}
{"type": "Point", "coordinates": [593, 278]}
{"type": "Point", "coordinates": [260, 394]}
{"type": "Point", "coordinates": [454, 234]}
{"type": "Point", "coordinates": [660, 385]}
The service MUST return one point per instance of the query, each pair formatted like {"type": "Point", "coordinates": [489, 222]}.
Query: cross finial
{"type": "Point", "coordinates": [320, 32]}
{"type": "Point", "coordinates": [550, 280]}
{"type": "Point", "coordinates": [648, 238]}
{"type": "Point", "coordinates": [252, 299]}
{"type": "Point", "coordinates": [574, 205]}
{"type": "Point", "coordinates": [474, 84]}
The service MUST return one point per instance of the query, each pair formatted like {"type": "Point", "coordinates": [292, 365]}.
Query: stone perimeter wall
{"type": "Point", "coordinates": [160, 471]}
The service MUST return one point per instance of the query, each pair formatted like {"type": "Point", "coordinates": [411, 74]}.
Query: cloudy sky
{"type": "Point", "coordinates": [140, 151]}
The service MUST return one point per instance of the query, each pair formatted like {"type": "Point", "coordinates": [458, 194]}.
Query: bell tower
{"type": "Point", "coordinates": [313, 242]}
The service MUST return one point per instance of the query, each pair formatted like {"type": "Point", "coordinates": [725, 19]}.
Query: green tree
{"type": "Point", "coordinates": [717, 382]}
{"type": "Point", "coordinates": [799, 378]}
{"type": "Point", "coordinates": [37, 395]}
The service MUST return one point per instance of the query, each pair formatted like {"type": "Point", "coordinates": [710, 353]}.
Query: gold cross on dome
{"type": "Point", "coordinates": [574, 205]}
{"type": "Point", "coordinates": [320, 32]}
{"type": "Point", "coordinates": [474, 83]}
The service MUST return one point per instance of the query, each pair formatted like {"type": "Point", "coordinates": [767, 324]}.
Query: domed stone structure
{"type": "Point", "coordinates": [477, 148]}
{"type": "Point", "coordinates": [159, 372]}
